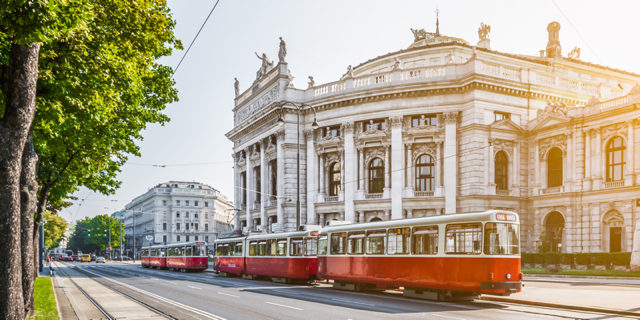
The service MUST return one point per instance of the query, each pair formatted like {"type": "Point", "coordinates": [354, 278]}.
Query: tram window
{"type": "Point", "coordinates": [338, 243]}
{"type": "Point", "coordinates": [297, 247]}
{"type": "Point", "coordinates": [262, 248]}
{"type": "Point", "coordinates": [501, 238]}
{"type": "Point", "coordinates": [356, 243]}
{"type": "Point", "coordinates": [464, 238]}
{"type": "Point", "coordinates": [238, 249]}
{"type": "Point", "coordinates": [188, 251]}
{"type": "Point", "coordinates": [311, 246]}
{"type": "Point", "coordinates": [163, 252]}
{"type": "Point", "coordinates": [322, 245]}
{"type": "Point", "coordinates": [375, 241]}
{"type": "Point", "coordinates": [170, 252]}
{"type": "Point", "coordinates": [231, 249]}
{"type": "Point", "coordinates": [282, 247]}
{"type": "Point", "coordinates": [398, 241]}
{"type": "Point", "coordinates": [271, 247]}
{"type": "Point", "coordinates": [253, 248]}
{"type": "Point", "coordinates": [425, 240]}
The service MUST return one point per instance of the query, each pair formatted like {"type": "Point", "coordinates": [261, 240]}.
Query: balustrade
{"type": "Point", "coordinates": [423, 193]}
{"type": "Point", "coordinates": [331, 198]}
{"type": "Point", "coordinates": [503, 192]}
{"type": "Point", "coordinates": [552, 190]}
{"type": "Point", "coordinates": [361, 82]}
{"type": "Point", "coordinates": [373, 196]}
{"type": "Point", "coordinates": [614, 184]}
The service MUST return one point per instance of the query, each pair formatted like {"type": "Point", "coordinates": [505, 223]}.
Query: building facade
{"type": "Point", "coordinates": [177, 211]}
{"type": "Point", "coordinates": [445, 127]}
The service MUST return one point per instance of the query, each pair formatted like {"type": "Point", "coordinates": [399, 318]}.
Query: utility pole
{"type": "Point", "coordinates": [134, 235]}
{"type": "Point", "coordinates": [121, 241]}
{"type": "Point", "coordinates": [110, 249]}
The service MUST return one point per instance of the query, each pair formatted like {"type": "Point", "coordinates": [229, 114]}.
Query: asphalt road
{"type": "Point", "coordinates": [208, 296]}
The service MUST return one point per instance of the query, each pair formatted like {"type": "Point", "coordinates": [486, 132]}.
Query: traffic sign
{"type": "Point", "coordinates": [149, 237]}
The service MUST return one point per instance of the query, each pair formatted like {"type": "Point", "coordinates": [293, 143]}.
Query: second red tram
{"type": "Point", "coordinates": [177, 256]}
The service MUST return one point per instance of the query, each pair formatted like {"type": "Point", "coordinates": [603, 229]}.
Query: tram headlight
{"type": "Point", "coordinates": [508, 276]}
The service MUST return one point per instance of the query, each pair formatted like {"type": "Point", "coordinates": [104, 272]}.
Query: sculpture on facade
{"type": "Point", "coordinates": [312, 83]}
{"type": "Point", "coordinates": [282, 53]}
{"type": "Point", "coordinates": [575, 53]}
{"type": "Point", "coordinates": [474, 54]}
{"type": "Point", "coordinates": [396, 64]}
{"type": "Point", "coordinates": [236, 86]}
{"type": "Point", "coordinates": [289, 78]}
{"type": "Point", "coordinates": [556, 108]}
{"type": "Point", "coordinates": [266, 65]}
{"type": "Point", "coordinates": [483, 31]}
{"type": "Point", "coordinates": [349, 73]}
{"type": "Point", "coordinates": [450, 57]}
{"type": "Point", "coordinates": [635, 255]}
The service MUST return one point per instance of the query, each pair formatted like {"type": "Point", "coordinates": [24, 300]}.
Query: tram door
{"type": "Point", "coordinates": [615, 239]}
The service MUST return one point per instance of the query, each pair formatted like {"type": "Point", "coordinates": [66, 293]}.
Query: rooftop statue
{"type": "Point", "coordinates": [236, 86]}
{"type": "Point", "coordinates": [282, 53]}
{"type": "Point", "coordinates": [312, 83]}
{"type": "Point", "coordinates": [396, 64]}
{"type": "Point", "coordinates": [483, 31]}
{"type": "Point", "coordinates": [421, 34]}
{"type": "Point", "coordinates": [575, 53]}
{"type": "Point", "coordinates": [266, 65]}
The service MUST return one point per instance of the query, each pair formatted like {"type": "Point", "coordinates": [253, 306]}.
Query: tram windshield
{"type": "Point", "coordinates": [501, 238]}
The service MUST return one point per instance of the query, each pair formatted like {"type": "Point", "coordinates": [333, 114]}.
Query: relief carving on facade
{"type": "Point", "coordinates": [280, 135]}
{"type": "Point", "coordinates": [328, 138]}
{"type": "Point", "coordinates": [347, 127]}
{"type": "Point", "coordinates": [310, 134]}
{"type": "Point", "coordinates": [614, 129]}
{"type": "Point", "coordinates": [613, 218]}
{"type": "Point", "coordinates": [396, 122]}
{"type": "Point", "coordinates": [451, 117]}
{"type": "Point", "coordinates": [372, 153]}
{"type": "Point", "coordinates": [423, 127]}
{"type": "Point", "coordinates": [372, 132]}
{"type": "Point", "coordinates": [424, 148]}
{"type": "Point", "coordinates": [559, 141]}
{"type": "Point", "coordinates": [503, 145]}
{"type": "Point", "coordinates": [330, 158]}
{"type": "Point", "coordinates": [260, 103]}
{"type": "Point", "coordinates": [554, 108]}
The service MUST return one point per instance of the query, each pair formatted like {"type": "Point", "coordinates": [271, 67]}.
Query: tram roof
{"type": "Point", "coordinates": [485, 216]}
{"type": "Point", "coordinates": [179, 244]}
{"type": "Point", "coordinates": [306, 233]}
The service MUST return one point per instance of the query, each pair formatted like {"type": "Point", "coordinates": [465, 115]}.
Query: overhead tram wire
{"type": "Point", "coordinates": [194, 39]}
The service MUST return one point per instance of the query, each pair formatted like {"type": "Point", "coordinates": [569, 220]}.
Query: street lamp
{"type": "Point", "coordinates": [314, 125]}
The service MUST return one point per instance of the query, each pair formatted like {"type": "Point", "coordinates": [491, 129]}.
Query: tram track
{"type": "Point", "coordinates": [106, 314]}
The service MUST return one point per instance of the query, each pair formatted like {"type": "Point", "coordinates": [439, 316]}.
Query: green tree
{"type": "Point", "coordinates": [92, 235]}
{"type": "Point", "coordinates": [53, 230]}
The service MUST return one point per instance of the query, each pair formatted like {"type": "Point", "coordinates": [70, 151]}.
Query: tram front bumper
{"type": "Point", "coordinates": [500, 288]}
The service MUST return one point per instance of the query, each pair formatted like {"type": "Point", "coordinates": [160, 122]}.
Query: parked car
{"type": "Point", "coordinates": [85, 258]}
{"type": "Point", "coordinates": [125, 258]}
{"type": "Point", "coordinates": [93, 257]}
{"type": "Point", "coordinates": [77, 258]}
{"type": "Point", "coordinates": [101, 260]}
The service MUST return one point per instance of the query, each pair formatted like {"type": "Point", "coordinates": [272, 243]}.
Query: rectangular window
{"type": "Point", "coordinates": [322, 245]}
{"type": "Point", "coordinates": [177, 202]}
{"type": "Point", "coordinates": [332, 131]}
{"type": "Point", "coordinates": [187, 240]}
{"type": "Point", "coordinates": [253, 248]}
{"type": "Point", "coordinates": [501, 116]}
{"type": "Point", "coordinates": [177, 214]}
{"type": "Point", "coordinates": [425, 240]}
{"type": "Point", "coordinates": [186, 226]}
{"type": "Point", "coordinates": [231, 248]}
{"type": "Point", "coordinates": [196, 226]}
{"type": "Point", "coordinates": [206, 215]}
{"type": "Point", "coordinates": [188, 251]}
{"type": "Point", "coordinates": [195, 215]}
{"type": "Point", "coordinates": [164, 202]}
{"type": "Point", "coordinates": [338, 243]}
{"type": "Point", "coordinates": [196, 238]}
{"type": "Point", "coordinates": [206, 204]}
{"type": "Point", "coordinates": [271, 247]}
{"type": "Point", "coordinates": [186, 203]}
{"type": "Point", "coordinates": [375, 125]}
{"type": "Point", "coordinates": [501, 238]}
{"type": "Point", "coordinates": [262, 248]}
{"type": "Point", "coordinates": [399, 241]}
{"type": "Point", "coordinates": [297, 247]}
{"type": "Point", "coordinates": [178, 237]}
{"type": "Point", "coordinates": [282, 247]}
{"type": "Point", "coordinates": [164, 226]}
{"type": "Point", "coordinates": [355, 243]}
{"type": "Point", "coordinates": [195, 203]}
{"type": "Point", "coordinates": [164, 239]}
{"type": "Point", "coordinates": [186, 214]}
{"type": "Point", "coordinates": [375, 241]}
{"type": "Point", "coordinates": [427, 119]}
{"type": "Point", "coordinates": [311, 246]}
{"type": "Point", "coordinates": [178, 228]}
{"type": "Point", "coordinates": [221, 249]}
{"type": "Point", "coordinates": [464, 239]}
{"type": "Point", "coordinates": [237, 249]}
{"type": "Point", "coordinates": [206, 239]}
{"type": "Point", "coordinates": [170, 251]}
{"type": "Point", "coordinates": [206, 227]}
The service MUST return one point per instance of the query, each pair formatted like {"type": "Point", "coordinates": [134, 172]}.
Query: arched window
{"type": "Point", "coordinates": [502, 171]}
{"type": "Point", "coordinates": [376, 176]}
{"type": "Point", "coordinates": [334, 179]}
{"type": "Point", "coordinates": [554, 168]}
{"type": "Point", "coordinates": [424, 173]}
{"type": "Point", "coordinates": [554, 228]}
{"type": "Point", "coordinates": [615, 159]}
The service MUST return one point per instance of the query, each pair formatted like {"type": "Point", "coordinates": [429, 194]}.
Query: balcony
{"type": "Point", "coordinates": [503, 192]}
{"type": "Point", "coordinates": [373, 196]}
{"type": "Point", "coordinates": [614, 184]}
{"type": "Point", "coordinates": [331, 198]}
{"type": "Point", "coordinates": [557, 189]}
{"type": "Point", "coordinates": [419, 194]}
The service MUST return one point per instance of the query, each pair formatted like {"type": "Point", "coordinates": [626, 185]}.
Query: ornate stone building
{"type": "Point", "coordinates": [444, 127]}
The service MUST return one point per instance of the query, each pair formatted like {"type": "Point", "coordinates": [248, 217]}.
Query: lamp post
{"type": "Point", "coordinates": [314, 125]}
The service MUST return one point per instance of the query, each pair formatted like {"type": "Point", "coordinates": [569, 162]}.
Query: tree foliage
{"type": "Point", "coordinates": [53, 230]}
{"type": "Point", "coordinates": [92, 235]}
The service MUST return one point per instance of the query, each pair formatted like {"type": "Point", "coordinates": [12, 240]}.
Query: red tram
{"type": "Point", "coordinates": [178, 256]}
{"type": "Point", "coordinates": [283, 257]}
{"type": "Point", "coordinates": [438, 257]}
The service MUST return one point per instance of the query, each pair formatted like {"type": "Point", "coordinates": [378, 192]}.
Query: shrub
{"type": "Point", "coordinates": [583, 258]}
{"type": "Point", "coordinates": [621, 258]}
{"type": "Point", "coordinates": [601, 258]}
{"type": "Point", "coordinates": [567, 258]}
{"type": "Point", "coordinates": [552, 258]}
{"type": "Point", "coordinates": [527, 257]}
{"type": "Point", "coordinates": [538, 258]}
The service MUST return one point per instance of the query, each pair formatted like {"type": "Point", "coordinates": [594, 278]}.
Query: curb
{"type": "Point", "coordinates": [560, 306]}
{"type": "Point", "coordinates": [577, 277]}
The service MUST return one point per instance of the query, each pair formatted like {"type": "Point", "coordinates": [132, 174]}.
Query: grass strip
{"type": "Point", "coordinates": [575, 272]}
{"type": "Point", "coordinates": [45, 300]}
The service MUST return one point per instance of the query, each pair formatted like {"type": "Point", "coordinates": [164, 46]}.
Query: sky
{"type": "Point", "coordinates": [323, 38]}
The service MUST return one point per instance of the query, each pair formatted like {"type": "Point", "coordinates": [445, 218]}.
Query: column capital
{"type": "Point", "coordinates": [396, 122]}
{"type": "Point", "coordinates": [280, 135]}
{"type": "Point", "coordinates": [451, 117]}
{"type": "Point", "coordinates": [347, 127]}
{"type": "Point", "coordinates": [310, 134]}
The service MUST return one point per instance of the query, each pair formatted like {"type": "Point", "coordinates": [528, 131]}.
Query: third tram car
{"type": "Point", "coordinates": [183, 256]}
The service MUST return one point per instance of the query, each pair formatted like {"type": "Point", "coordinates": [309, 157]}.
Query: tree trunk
{"type": "Point", "coordinates": [28, 187]}
{"type": "Point", "coordinates": [14, 128]}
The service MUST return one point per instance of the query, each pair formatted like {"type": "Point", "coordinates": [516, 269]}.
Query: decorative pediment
{"type": "Point", "coordinates": [613, 218]}
{"type": "Point", "coordinates": [329, 139]}
{"type": "Point", "coordinates": [558, 108]}
{"type": "Point", "coordinates": [424, 148]}
{"type": "Point", "coordinates": [330, 158]}
{"type": "Point", "coordinates": [503, 145]}
{"type": "Point", "coordinates": [559, 141]}
{"type": "Point", "coordinates": [635, 89]}
{"type": "Point", "coordinates": [614, 129]}
{"type": "Point", "coordinates": [506, 124]}
{"type": "Point", "coordinates": [372, 153]}
{"type": "Point", "coordinates": [548, 121]}
{"type": "Point", "coordinates": [372, 134]}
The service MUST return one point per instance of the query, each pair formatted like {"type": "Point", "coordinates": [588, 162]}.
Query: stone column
{"type": "Point", "coordinates": [350, 177]}
{"type": "Point", "coordinates": [250, 188]}
{"type": "Point", "coordinates": [237, 194]}
{"type": "Point", "coordinates": [397, 164]}
{"type": "Point", "coordinates": [536, 169]}
{"type": "Point", "coordinates": [321, 179]}
{"type": "Point", "coordinates": [312, 172]}
{"type": "Point", "coordinates": [411, 170]}
{"type": "Point", "coordinates": [438, 170]}
{"type": "Point", "coordinates": [492, 167]}
{"type": "Point", "coordinates": [598, 160]}
{"type": "Point", "coordinates": [361, 217]}
{"type": "Point", "coordinates": [263, 185]}
{"type": "Point", "coordinates": [587, 161]}
{"type": "Point", "coordinates": [361, 167]}
{"type": "Point", "coordinates": [387, 173]}
{"type": "Point", "coordinates": [515, 187]}
{"type": "Point", "coordinates": [630, 154]}
{"type": "Point", "coordinates": [451, 162]}
{"type": "Point", "coordinates": [280, 136]}
{"type": "Point", "coordinates": [570, 163]}
{"type": "Point", "coordinates": [342, 173]}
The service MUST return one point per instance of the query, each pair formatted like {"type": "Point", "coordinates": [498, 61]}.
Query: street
{"type": "Point", "coordinates": [206, 295]}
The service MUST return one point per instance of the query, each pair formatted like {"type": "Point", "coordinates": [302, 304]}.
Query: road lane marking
{"type": "Point", "coordinates": [282, 305]}
{"type": "Point", "coordinates": [171, 282]}
{"type": "Point", "coordinates": [437, 315]}
{"type": "Point", "coordinates": [366, 304]}
{"type": "Point", "coordinates": [226, 294]}
{"type": "Point", "coordinates": [195, 287]}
